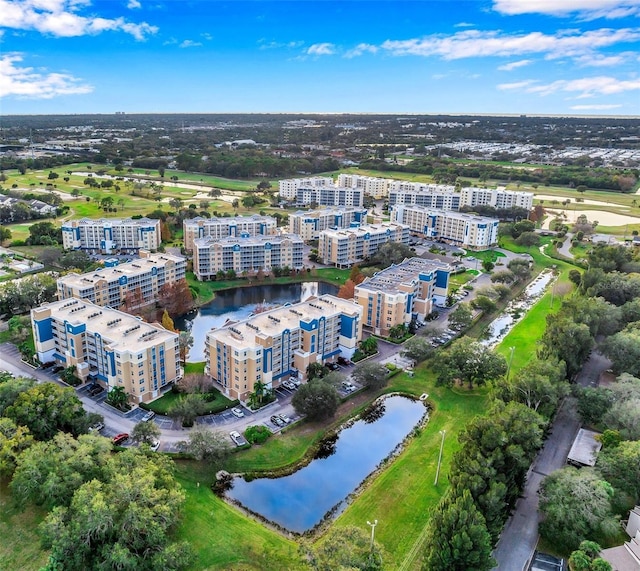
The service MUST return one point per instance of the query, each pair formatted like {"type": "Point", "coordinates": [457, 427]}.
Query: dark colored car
{"type": "Point", "coordinates": [95, 390]}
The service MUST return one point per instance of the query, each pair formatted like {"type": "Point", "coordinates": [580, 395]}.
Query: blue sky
{"type": "Point", "coordinates": [578, 57]}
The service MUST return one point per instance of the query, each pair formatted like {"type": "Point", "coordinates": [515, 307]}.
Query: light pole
{"type": "Point", "coordinates": [442, 432]}
{"type": "Point", "coordinates": [373, 530]}
{"type": "Point", "coordinates": [510, 361]}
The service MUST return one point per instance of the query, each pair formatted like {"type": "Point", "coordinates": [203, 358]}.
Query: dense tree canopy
{"type": "Point", "coordinates": [317, 400]}
{"type": "Point", "coordinates": [576, 505]}
{"type": "Point", "coordinates": [469, 362]}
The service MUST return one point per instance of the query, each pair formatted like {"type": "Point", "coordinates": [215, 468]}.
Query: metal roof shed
{"type": "Point", "coordinates": [584, 449]}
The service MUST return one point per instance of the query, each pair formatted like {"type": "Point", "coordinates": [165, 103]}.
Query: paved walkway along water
{"type": "Point", "coordinates": [520, 535]}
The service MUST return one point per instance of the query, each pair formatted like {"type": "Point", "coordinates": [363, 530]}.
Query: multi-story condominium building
{"type": "Point", "coordinates": [108, 346]}
{"type": "Point", "coordinates": [466, 230]}
{"type": "Point", "coordinates": [496, 197]}
{"type": "Point", "coordinates": [288, 187]}
{"type": "Point", "coordinates": [401, 293]}
{"type": "Point", "coordinates": [246, 254]}
{"type": "Point", "coordinates": [110, 236]}
{"type": "Point", "coordinates": [343, 248]}
{"type": "Point", "coordinates": [272, 346]}
{"type": "Point", "coordinates": [308, 224]}
{"type": "Point", "coordinates": [439, 198]}
{"type": "Point", "coordinates": [376, 187]}
{"type": "Point", "coordinates": [222, 227]}
{"type": "Point", "coordinates": [330, 196]}
{"type": "Point", "coordinates": [142, 279]}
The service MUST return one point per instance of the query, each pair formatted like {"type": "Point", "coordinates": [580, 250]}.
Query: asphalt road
{"type": "Point", "coordinates": [520, 535]}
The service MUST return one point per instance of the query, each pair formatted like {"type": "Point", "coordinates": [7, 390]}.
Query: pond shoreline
{"type": "Point", "coordinates": [310, 455]}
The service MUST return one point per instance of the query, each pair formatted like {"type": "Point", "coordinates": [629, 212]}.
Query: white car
{"type": "Point", "coordinates": [237, 412]}
{"type": "Point", "coordinates": [155, 445]}
{"type": "Point", "coordinates": [284, 418]}
{"type": "Point", "coordinates": [289, 385]}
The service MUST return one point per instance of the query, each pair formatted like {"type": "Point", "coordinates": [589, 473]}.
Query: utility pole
{"type": "Point", "coordinates": [442, 432]}
{"type": "Point", "coordinates": [373, 530]}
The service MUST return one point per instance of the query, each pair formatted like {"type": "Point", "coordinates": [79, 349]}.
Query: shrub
{"type": "Point", "coordinates": [257, 434]}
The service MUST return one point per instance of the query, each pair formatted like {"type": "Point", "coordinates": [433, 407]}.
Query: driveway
{"type": "Point", "coordinates": [520, 535]}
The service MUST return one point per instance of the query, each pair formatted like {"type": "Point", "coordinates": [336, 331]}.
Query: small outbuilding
{"type": "Point", "coordinates": [585, 448]}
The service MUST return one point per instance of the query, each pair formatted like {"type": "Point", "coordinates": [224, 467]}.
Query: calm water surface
{"type": "Point", "coordinates": [237, 304]}
{"type": "Point", "coordinates": [300, 501]}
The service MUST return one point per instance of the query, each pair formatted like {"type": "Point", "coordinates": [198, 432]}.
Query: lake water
{"type": "Point", "coordinates": [300, 501]}
{"type": "Point", "coordinates": [237, 304]}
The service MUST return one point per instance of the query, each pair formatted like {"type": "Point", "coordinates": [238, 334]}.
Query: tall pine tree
{"type": "Point", "coordinates": [457, 539]}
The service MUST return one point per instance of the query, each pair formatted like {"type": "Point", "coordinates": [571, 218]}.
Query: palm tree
{"type": "Point", "coordinates": [117, 397]}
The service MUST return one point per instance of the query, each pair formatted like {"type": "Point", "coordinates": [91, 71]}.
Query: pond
{"type": "Point", "coordinates": [239, 303]}
{"type": "Point", "coordinates": [300, 501]}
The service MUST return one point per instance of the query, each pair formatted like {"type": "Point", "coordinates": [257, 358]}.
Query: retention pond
{"type": "Point", "coordinates": [302, 500]}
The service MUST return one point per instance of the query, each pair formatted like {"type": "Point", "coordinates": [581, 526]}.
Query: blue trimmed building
{"type": "Point", "coordinates": [275, 345]}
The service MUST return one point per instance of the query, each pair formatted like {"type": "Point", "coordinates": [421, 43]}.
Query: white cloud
{"type": "Point", "coordinates": [474, 43]}
{"type": "Point", "coordinates": [587, 9]}
{"type": "Point", "coordinates": [601, 107]}
{"type": "Point", "coordinates": [514, 65]}
{"type": "Point", "coordinates": [207, 36]}
{"type": "Point", "coordinates": [27, 83]}
{"type": "Point", "coordinates": [582, 88]}
{"type": "Point", "coordinates": [61, 18]}
{"type": "Point", "coordinates": [324, 49]}
{"type": "Point", "coordinates": [265, 45]}
{"type": "Point", "coordinates": [463, 25]}
{"type": "Point", "coordinates": [361, 49]}
{"type": "Point", "coordinates": [134, 4]}
{"type": "Point", "coordinates": [600, 60]}
{"type": "Point", "coordinates": [189, 44]}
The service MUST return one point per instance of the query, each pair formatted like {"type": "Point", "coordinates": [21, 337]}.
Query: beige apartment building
{"type": "Point", "coordinates": [344, 248]}
{"type": "Point", "coordinates": [377, 188]}
{"type": "Point", "coordinates": [110, 285]}
{"type": "Point", "coordinates": [288, 188]}
{"type": "Point", "coordinates": [464, 230]}
{"type": "Point", "coordinates": [309, 223]}
{"type": "Point", "coordinates": [496, 197]}
{"type": "Point", "coordinates": [401, 293]}
{"type": "Point", "coordinates": [219, 228]}
{"type": "Point", "coordinates": [111, 236]}
{"type": "Point", "coordinates": [273, 346]}
{"type": "Point", "coordinates": [246, 254]}
{"type": "Point", "coordinates": [107, 346]}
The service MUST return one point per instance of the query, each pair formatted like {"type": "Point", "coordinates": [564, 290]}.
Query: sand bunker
{"type": "Point", "coordinates": [546, 197]}
{"type": "Point", "coordinates": [603, 218]}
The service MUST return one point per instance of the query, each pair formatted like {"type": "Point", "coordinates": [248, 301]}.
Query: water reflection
{"type": "Point", "coordinates": [235, 305]}
{"type": "Point", "coordinates": [298, 502]}
{"type": "Point", "coordinates": [327, 447]}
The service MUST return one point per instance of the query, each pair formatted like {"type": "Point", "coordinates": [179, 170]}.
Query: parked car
{"type": "Point", "coordinates": [149, 416]}
{"type": "Point", "coordinates": [237, 412]}
{"type": "Point", "coordinates": [284, 418]}
{"type": "Point", "coordinates": [275, 419]}
{"type": "Point", "coordinates": [237, 438]}
{"type": "Point", "coordinates": [97, 427]}
{"type": "Point", "coordinates": [57, 369]}
{"type": "Point", "coordinates": [333, 366]}
{"type": "Point", "coordinates": [95, 390]}
{"type": "Point", "coordinates": [296, 382]}
{"type": "Point", "coordinates": [155, 445]}
{"type": "Point", "coordinates": [348, 387]}
{"type": "Point", "coordinates": [120, 438]}
{"type": "Point", "coordinates": [289, 385]}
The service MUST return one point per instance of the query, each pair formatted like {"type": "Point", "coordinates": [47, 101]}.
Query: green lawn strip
{"type": "Point", "coordinates": [194, 368]}
{"type": "Point", "coordinates": [486, 255]}
{"type": "Point", "coordinates": [20, 545]}
{"type": "Point", "coordinates": [223, 537]}
{"type": "Point", "coordinates": [403, 496]}
{"type": "Point", "coordinates": [457, 280]}
{"type": "Point", "coordinates": [165, 402]}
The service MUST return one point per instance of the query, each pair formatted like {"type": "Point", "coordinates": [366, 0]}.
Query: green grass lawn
{"type": "Point", "coordinates": [222, 536]}
{"type": "Point", "coordinates": [457, 280]}
{"type": "Point", "coordinates": [165, 402]}
{"type": "Point", "coordinates": [403, 495]}
{"type": "Point", "coordinates": [190, 368]}
{"type": "Point", "coordinates": [20, 545]}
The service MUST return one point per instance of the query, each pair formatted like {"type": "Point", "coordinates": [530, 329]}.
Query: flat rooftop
{"type": "Point", "coordinates": [389, 279]}
{"type": "Point", "coordinates": [447, 213]}
{"type": "Point", "coordinates": [121, 331]}
{"type": "Point", "coordinates": [258, 240]}
{"type": "Point", "coordinates": [243, 334]}
{"type": "Point", "coordinates": [114, 273]}
{"type": "Point", "coordinates": [362, 230]}
{"type": "Point", "coordinates": [585, 448]}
